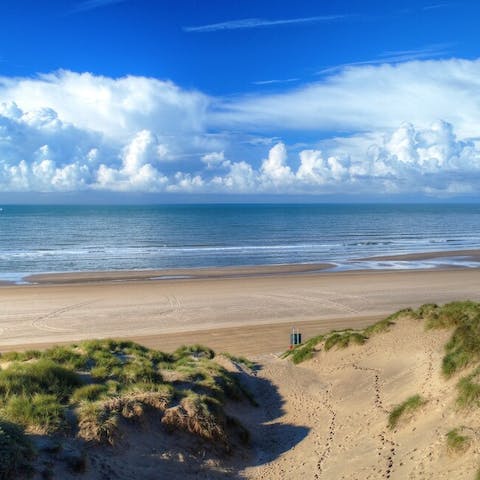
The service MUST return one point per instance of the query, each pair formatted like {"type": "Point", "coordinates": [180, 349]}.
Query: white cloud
{"type": "Point", "coordinates": [365, 98]}
{"type": "Point", "coordinates": [213, 159]}
{"type": "Point", "coordinates": [412, 128]}
{"type": "Point", "coordinates": [93, 4]}
{"type": "Point", "coordinates": [114, 107]}
{"type": "Point", "coordinates": [248, 23]}
{"type": "Point", "coordinates": [274, 169]}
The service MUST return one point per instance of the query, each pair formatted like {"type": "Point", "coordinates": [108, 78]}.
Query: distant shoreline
{"type": "Point", "coordinates": [463, 259]}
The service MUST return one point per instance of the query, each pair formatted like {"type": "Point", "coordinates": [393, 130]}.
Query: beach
{"type": "Point", "coordinates": [243, 310]}
{"type": "Point", "coordinates": [325, 418]}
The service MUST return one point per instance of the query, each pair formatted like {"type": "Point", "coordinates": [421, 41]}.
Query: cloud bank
{"type": "Point", "coordinates": [397, 129]}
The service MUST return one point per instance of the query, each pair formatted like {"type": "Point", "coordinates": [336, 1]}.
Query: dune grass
{"type": "Point", "coordinates": [41, 413]}
{"type": "Point", "coordinates": [241, 360]}
{"type": "Point", "coordinates": [344, 339]}
{"type": "Point", "coordinates": [16, 452]}
{"type": "Point", "coordinates": [92, 388]}
{"type": "Point", "coordinates": [340, 339]}
{"type": "Point", "coordinates": [468, 389]}
{"type": "Point", "coordinates": [405, 409]}
{"type": "Point", "coordinates": [456, 442]}
{"type": "Point", "coordinates": [42, 376]}
{"type": "Point", "coordinates": [463, 348]}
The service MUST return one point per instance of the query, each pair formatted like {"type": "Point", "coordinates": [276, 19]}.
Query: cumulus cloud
{"type": "Point", "coordinates": [428, 160]}
{"type": "Point", "coordinates": [114, 107]}
{"type": "Point", "coordinates": [413, 127]}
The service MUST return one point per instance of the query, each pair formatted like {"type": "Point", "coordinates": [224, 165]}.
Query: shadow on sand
{"type": "Point", "coordinates": [149, 453]}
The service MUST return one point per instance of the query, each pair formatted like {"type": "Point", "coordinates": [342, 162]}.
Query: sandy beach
{"type": "Point", "coordinates": [242, 310]}
{"type": "Point", "coordinates": [324, 419]}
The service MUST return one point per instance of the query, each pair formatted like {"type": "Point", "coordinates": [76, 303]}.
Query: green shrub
{"type": "Point", "coordinates": [40, 413]}
{"type": "Point", "coordinates": [405, 408]}
{"type": "Point", "coordinates": [16, 452]}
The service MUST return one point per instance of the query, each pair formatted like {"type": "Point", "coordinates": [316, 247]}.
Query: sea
{"type": "Point", "coordinates": [43, 239]}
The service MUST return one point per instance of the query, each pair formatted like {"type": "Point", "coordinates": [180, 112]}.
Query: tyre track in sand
{"type": "Point", "coordinates": [39, 322]}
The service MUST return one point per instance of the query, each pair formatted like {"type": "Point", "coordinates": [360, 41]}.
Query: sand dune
{"type": "Point", "coordinates": [343, 397]}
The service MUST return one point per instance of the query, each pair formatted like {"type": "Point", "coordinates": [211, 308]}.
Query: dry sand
{"type": "Point", "coordinates": [325, 419]}
{"type": "Point", "coordinates": [333, 420]}
{"type": "Point", "coordinates": [250, 314]}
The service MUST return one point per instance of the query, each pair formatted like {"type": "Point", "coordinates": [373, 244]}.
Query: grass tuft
{"type": "Point", "coordinates": [449, 315]}
{"type": "Point", "coordinates": [89, 393]}
{"type": "Point", "coordinates": [456, 442]}
{"type": "Point", "coordinates": [405, 409]}
{"type": "Point", "coordinates": [193, 352]}
{"type": "Point", "coordinates": [469, 390]}
{"type": "Point", "coordinates": [40, 413]}
{"type": "Point", "coordinates": [242, 360]}
{"type": "Point", "coordinates": [344, 339]}
{"type": "Point", "coordinates": [43, 376]}
{"type": "Point", "coordinates": [98, 424]}
{"type": "Point", "coordinates": [200, 415]}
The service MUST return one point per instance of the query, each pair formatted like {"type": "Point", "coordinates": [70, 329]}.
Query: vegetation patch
{"type": "Point", "coordinates": [344, 339]}
{"type": "Point", "coordinates": [41, 413]}
{"type": "Point", "coordinates": [449, 315]}
{"type": "Point", "coordinates": [469, 390]}
{"type": "Point", "coordinates": [42, 376]}
{"type": "Point", "coordinates": [340, 339]}
{"type": "Point", "coordinates": [463, 348]}
{"type": "Point", "coordinates": [93, 389]}
{"type": "Point", "coordinates": [456, 442]}
{"type": "Point", "coordinates": [16, 451]}
{"type": "Point", "coordinates": [241, 360]}
{"type": "Point", "coordinates": [405, 410]}
{"type": "Point", "coordinates": [305, 351]}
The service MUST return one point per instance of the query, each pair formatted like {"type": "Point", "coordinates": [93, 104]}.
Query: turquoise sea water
{"type": "Point", "coordinates": [36, 239]}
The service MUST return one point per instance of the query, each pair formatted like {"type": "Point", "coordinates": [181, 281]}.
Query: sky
{"type": "Point", "coordinates": [158, 99]}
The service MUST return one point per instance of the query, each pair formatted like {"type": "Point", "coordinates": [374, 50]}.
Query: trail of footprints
{"type": "Point", "coordinates": [376, 386]}
{"type": "Point", "coordinates": [331, 434]}
{"type": "Point", "coordinates": [388, 447]}
{"type": "Point", "coordinates": [428, 376]}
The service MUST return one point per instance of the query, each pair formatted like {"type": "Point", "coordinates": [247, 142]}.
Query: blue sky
{"type": "Point", "coordinates": [244, 97]}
